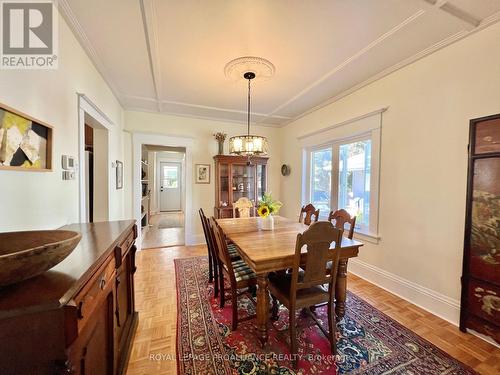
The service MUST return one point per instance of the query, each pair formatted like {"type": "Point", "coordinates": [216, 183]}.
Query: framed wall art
{"type": "Point", "coordinates": [202, 173]}
{"type": "Point", "coordinates": [25, 143]}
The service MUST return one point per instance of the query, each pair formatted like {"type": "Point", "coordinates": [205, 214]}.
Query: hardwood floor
{"type": "Point", "coordinates": [157, 306]}
{"type": "Point", "coordinates": [166, 230]}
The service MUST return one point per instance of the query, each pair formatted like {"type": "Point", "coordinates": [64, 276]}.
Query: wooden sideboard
{"type": "Point", "coordinates": [79, 317]}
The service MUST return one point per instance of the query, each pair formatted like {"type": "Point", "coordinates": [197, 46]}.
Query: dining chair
{"type": "Point", "coordinates": [212, 250]}
{"type": "Point", "coordinates": [238, 273]}
{"type": "Point", "coordinates": [307, 213]}
{"type": "Point", "coordinates": [212, 268]}
{"type": "Point", "coordinates": [340, 218]}
{"type": "Point", "coordinates": [243, 207]}
{"type": "Point", "coordinates": [305, 287]}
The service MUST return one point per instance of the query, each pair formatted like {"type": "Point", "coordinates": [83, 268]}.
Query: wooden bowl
{"type": "Point", "coordinates": [27, 254]}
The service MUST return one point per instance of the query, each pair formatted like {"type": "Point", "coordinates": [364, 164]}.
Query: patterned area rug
{"type": "Point", "coordinates": [369, 342]}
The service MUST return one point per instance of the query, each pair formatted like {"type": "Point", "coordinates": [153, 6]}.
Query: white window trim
{"type": "Point", "coordinates": [370, 234]}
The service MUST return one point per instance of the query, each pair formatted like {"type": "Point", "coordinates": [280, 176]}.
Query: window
{"type": "Point", "coordinates": [321, 178]}
{"type": "Point", "coordinates": [339, 175]}
{"type": "Point", "coordinates": [170, 177]}
{"type": "Point", "coordinates": [340, 169]}
{"type": "Point", "coordinates": [354, 180]}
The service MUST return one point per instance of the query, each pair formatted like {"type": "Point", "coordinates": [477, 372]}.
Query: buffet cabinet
{"type": "Point", "coordinates": [479, 309]}
{"type": "Point", "coordinates": [237, 177]}
{"type": "Point", "coordinates": [79, 317]}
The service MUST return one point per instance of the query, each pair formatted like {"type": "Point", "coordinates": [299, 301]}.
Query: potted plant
{"type": "Point", "coordinates": [267, 208]}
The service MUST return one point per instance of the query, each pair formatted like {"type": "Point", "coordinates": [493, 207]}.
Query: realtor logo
{"type": "Point", "coordinates": [29, 34]}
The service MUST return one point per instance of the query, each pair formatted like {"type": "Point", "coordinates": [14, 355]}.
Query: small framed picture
{"type": "Point", "coordinates": [119, 175]}
{"type": "Point", "coordinates": [202, 173]}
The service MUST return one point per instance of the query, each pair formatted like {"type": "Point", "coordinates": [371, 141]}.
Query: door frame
{"type": "Point", "coordinates": [87, 110]}
{"type": "Point", "coordinates": [139, 139]}
{"type": "Point", "coordinates": [182, 180]}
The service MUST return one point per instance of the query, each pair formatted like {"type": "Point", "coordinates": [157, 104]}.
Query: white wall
{"type": "Point", "coordinates": [204, 148]}
{"type": "Point", "coordinates": [423, 165]}
{"type": "Point", "coordinates": [36, 200]}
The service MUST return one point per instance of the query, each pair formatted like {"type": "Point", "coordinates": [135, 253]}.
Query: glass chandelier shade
{"type": "Point", "coordinates": [248, 144]}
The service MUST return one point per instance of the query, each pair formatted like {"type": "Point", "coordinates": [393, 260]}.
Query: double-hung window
{"type": "Point", "coordinates": [340, 169]}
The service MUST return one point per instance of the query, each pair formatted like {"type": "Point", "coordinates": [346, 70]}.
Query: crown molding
{"type": "Point", "coordinates": [218, 109]}
{"type": "Point", "coordinates": [86, 45]}
{"type": "Point", "coordinates": [224, 109]}
{"type": "Point", "coordinates": [178, 114]}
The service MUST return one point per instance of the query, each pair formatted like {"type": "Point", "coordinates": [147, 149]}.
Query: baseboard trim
{"type": "Point", "coordinates": [434, 302]}
{"type": "Point", "coordinates": [195, 239]}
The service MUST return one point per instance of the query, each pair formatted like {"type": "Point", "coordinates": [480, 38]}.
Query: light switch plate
{"type": "Point", "coordinates": [68, 175]}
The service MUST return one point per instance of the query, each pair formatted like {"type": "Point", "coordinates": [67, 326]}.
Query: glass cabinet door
{"type": "Point", "coordinates": [261, 181]}
{"type": "Point", "coordinates": [224, 185]}
{"type": "Point", "coordinates": [243, 178]}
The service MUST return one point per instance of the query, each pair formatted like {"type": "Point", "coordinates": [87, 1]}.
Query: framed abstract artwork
{"type": "Point", "coordinates": [480, 307]}
{"type": "Point", "coordinates": [25, 143]}
{"type": "Point", "coordinates": [202, 173]}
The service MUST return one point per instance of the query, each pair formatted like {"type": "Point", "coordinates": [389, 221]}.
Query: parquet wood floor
{"type": "Point", "coordinates": [156, 237]}
{"type": "Point", "coordinates": [157, 305]}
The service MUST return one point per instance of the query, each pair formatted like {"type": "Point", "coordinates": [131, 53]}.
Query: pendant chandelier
{"type": "Point", "coordinates": [248, 144]}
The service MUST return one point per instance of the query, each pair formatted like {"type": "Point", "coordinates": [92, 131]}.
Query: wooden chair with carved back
{"type": "Point", "coordinates": [340, 218]}
{"type": "Point", "coordinates": [308, 213]}
{"type": "Point", "coordinates": [212, 257]}
{"type": "Point", "coordinates": [238, 273]}
{"type": "Point", "coordinates": [243, 207]}
{"type": "Point", "coordinates": [305, 287]}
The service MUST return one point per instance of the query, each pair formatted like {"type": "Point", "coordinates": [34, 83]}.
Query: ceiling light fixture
{"type": "Point", "coordinates": [248, 144]}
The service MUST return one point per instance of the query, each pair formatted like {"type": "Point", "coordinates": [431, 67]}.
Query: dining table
{"type": "Point", "coordinates": [273, 250]}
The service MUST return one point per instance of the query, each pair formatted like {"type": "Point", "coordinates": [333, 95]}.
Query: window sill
{"type": "Point", "coordinates": [368, 237]}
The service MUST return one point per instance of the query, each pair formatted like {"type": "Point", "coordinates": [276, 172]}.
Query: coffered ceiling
{"type": "Point", "coordinates": [169, 55]}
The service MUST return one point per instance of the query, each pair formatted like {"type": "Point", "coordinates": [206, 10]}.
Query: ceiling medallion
{"type": "Point", "coordinates": [262, 68]}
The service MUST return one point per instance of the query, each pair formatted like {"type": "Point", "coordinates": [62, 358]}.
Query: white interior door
{"type": "Point", "coordinates": [170, 186]}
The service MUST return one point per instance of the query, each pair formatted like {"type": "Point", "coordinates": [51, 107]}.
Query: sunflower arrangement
{"type": "Point", "coordinates": [268, 206]}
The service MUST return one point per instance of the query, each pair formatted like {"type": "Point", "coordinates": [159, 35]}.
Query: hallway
{"type": "Point", "coordinates": [166, 229]}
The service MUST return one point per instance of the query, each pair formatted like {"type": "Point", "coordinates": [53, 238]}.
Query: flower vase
{"type": "Point", "coordinates": [267, 223]}
{"type": "Point", "coordinates": [221, 148]}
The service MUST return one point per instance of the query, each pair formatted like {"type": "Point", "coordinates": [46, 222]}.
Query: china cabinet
{"type": "Point", "coordinates": [237, 177]}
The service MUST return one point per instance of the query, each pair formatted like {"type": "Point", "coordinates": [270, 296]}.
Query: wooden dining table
{"type": "Point", "coordinates": [273, 250]}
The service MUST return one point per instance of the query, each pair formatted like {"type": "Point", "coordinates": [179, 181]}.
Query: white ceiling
{"type": "Point", "coordinates": [169, 56]}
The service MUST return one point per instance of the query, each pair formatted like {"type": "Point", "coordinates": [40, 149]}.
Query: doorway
{"type": "Point", "coordinates": [163, 181]}
{"type": "Point", "coordinates": [93, 160]}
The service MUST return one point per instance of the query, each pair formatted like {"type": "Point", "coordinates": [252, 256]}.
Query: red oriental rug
{"type": "Point", "coordinates": [369, 342]}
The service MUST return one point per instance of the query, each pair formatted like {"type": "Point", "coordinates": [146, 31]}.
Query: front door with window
{"type": "Point", "coordinates": [170, 186]}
